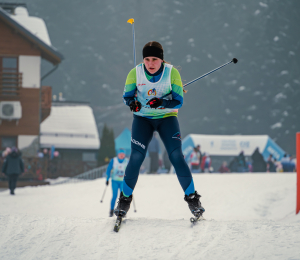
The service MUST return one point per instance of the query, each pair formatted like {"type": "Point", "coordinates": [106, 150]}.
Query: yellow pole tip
{"type": "Point", "coordinates": [130, 21]}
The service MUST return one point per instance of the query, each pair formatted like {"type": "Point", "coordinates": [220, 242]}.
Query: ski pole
{"type": "Point", "coordinates": [103, 194]}
{"type": "Point", "coordinates": [234, 60]}
{"type": "Point", "coordinates": [133, 36]}
{"type": "Point", "coordinates": [133, 204]}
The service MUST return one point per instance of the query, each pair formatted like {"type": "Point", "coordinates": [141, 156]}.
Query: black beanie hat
{"type": "Point", "coordinates": [152, 51]}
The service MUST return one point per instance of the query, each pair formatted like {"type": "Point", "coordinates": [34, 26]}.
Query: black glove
{"type": "Point", "coordinates": [107, 182]}
{"type": "Point", "coordinates": [155, 102]}
{"type": "Point", "coordinates": [135, 106]}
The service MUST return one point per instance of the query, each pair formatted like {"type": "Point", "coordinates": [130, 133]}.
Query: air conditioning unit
{"type": "Point", "coordinates": [10, 110]}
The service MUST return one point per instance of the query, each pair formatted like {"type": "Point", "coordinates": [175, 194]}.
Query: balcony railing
{"type": "Point", "coordinates": [10, 83]}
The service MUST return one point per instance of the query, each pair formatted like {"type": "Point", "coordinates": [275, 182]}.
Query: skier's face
{"type": "Point", "coordinates": [121, 156]}
{"type": "Point", "coordinates": [152, 64]}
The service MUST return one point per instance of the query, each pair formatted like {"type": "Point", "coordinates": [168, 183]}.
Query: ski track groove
{"type": "Point", "coordinates": [215, 240]}
{"type": "Point", "coordinates": [119, 239]}
{"type": "Point", "coordinates": [189, 244]}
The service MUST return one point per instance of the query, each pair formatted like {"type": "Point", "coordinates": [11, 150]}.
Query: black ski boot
{"type": "Point", "coordinates": [194, 204]}
{"type": "Point", "coordinates": [123, 205]}
{"type": "Point", "coordinates": [111, 212]}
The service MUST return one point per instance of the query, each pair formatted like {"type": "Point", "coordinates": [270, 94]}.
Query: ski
{"type": "Point", "coordinates": [118, 224]}
{"type": "Point", "coordinates": [194, 220]}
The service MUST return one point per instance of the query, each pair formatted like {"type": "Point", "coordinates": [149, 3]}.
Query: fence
{"type": "Point", "coordinates": [89, 175]}
{"type": "Point", "coordinates": [38, 169]}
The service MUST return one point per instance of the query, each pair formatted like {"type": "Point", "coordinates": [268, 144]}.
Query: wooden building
{"type": "Point", "coordinates": [24, 103]}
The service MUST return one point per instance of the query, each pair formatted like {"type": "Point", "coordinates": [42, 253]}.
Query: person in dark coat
{"type": "Point", "coordinates": [233, 165]}
{"type": "Point", "coordinates": [13, 166]}
{"type": "Point", "coordinates": [242, 162]}
{"type": "Point", "coordinates": [259, 164]}
{"type": "Point", "coordinates": [200, 154]}
{"type": "Point", "coordinates": [271, 164]}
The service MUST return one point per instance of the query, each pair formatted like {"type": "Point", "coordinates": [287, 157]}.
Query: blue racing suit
{"type": "Point", "coordinates": [116, 170]}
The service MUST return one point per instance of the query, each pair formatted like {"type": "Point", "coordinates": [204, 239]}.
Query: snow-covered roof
{"type": "Point", "coordinates": [34, 30]}
{"type": "Point", "coordinates": [33, 24]}
{"type": "Point", "coordinates": [70, 127]}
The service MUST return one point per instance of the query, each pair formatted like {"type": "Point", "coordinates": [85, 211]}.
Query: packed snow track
{"type": "Point", "coordinates": [248, 216]}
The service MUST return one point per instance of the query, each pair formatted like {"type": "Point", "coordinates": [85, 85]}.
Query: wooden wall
{"type": "Point", "coordinates": [12, 43]}
{"type": "Point", "coordinates": [29, 123]}
{"type": "Point", "coordinates": [46, 102]}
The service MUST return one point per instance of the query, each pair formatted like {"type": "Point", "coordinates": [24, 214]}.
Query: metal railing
{"type": "Point", "coordinates": [89, 175]}
{"type": "Point", "coordinates": [10, 83]}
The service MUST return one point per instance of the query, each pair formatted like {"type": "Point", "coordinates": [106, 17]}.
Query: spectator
{"type": "Point", "coordinates": [259, 164]}
{"type": "Point", "coordinates": [206, 163]}
{"type": "Point", "coordinates": [199, 153]}
{"type": "Point", "coordinates": [285, 163]}
{"type": "Point", "coordinates": [45, 152]}
{"type": "Point", "coordinates": [242, 167]}
{"type": "Point", "coordinates": [13, 166]}
{"type": "Point", "coordinates": [40, 154]}
{"type": "Point", "coordinates": [249, 165]}
{"type": "Point", "coordinates": [292, 164]}
{"type": "Point", "coordinates": [153, 150]}
{"type": "Point", "coordinates": [194, 160]}
{"type": "Point", "coordinates": [278, 166]}
{"type": "Point", "coordinates": [233, 166]}
{"type": "Point", "coordinates": [224, 168]}
{"type": "Point", "coordinates": [271, 167]}
{"type": "Point", "coordinates": [288, 164]}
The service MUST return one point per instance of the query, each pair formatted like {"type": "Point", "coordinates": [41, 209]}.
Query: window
{"type": "Point", "coordinates": [9, 64]}
{"type": "Point", "coordinates": [88, 157]}
{"type": "Point", "coordinates": [8, 141]}
{"type": "Point", "coordinates": [10, 78]}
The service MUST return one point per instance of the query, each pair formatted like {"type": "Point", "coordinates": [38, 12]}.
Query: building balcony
{"type": "Point", "coordinates": [10, 84]}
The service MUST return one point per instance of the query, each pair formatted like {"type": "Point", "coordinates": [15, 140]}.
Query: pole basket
{"type": "Point", "coordinates": [298, 172]}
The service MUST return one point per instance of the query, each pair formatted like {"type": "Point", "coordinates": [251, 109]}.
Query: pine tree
{"type": "Point", "coordinates": [112, 151]}
{"type": "Point", "coordinates": [107, 146]}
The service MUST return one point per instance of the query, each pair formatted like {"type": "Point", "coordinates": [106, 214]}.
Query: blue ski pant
{"type": "Point", "coordinates": [142, 133]}
{"type": "Point", "coordinates": [116, 186]}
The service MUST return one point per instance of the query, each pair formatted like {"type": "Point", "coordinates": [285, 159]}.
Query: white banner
{"type": "Point", "coordinates": [229, 145]}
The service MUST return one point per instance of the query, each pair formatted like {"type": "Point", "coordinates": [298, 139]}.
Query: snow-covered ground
{"type": "Point", "coordinates": [248, 216]}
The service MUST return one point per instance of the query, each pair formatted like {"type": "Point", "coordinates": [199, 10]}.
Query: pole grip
{"type": "Point", "coordinates": [298, 172]}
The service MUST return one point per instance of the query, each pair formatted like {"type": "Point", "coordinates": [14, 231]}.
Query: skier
{"type": "Point", "coordinates": [116, 170]}
{"type": "Point", "coordinates": [194, 160]}
{"type": "Point", "coordinates": [154, 92]}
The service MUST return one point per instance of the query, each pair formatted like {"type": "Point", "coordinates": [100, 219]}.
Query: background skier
{"type": "Point", "coordinates": [154, 92]}
{"type": "Point", "coordinates": [116, 170]}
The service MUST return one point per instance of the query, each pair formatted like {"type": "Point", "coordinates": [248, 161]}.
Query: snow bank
{"type": "Point", "coordinates": [247, 217]}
